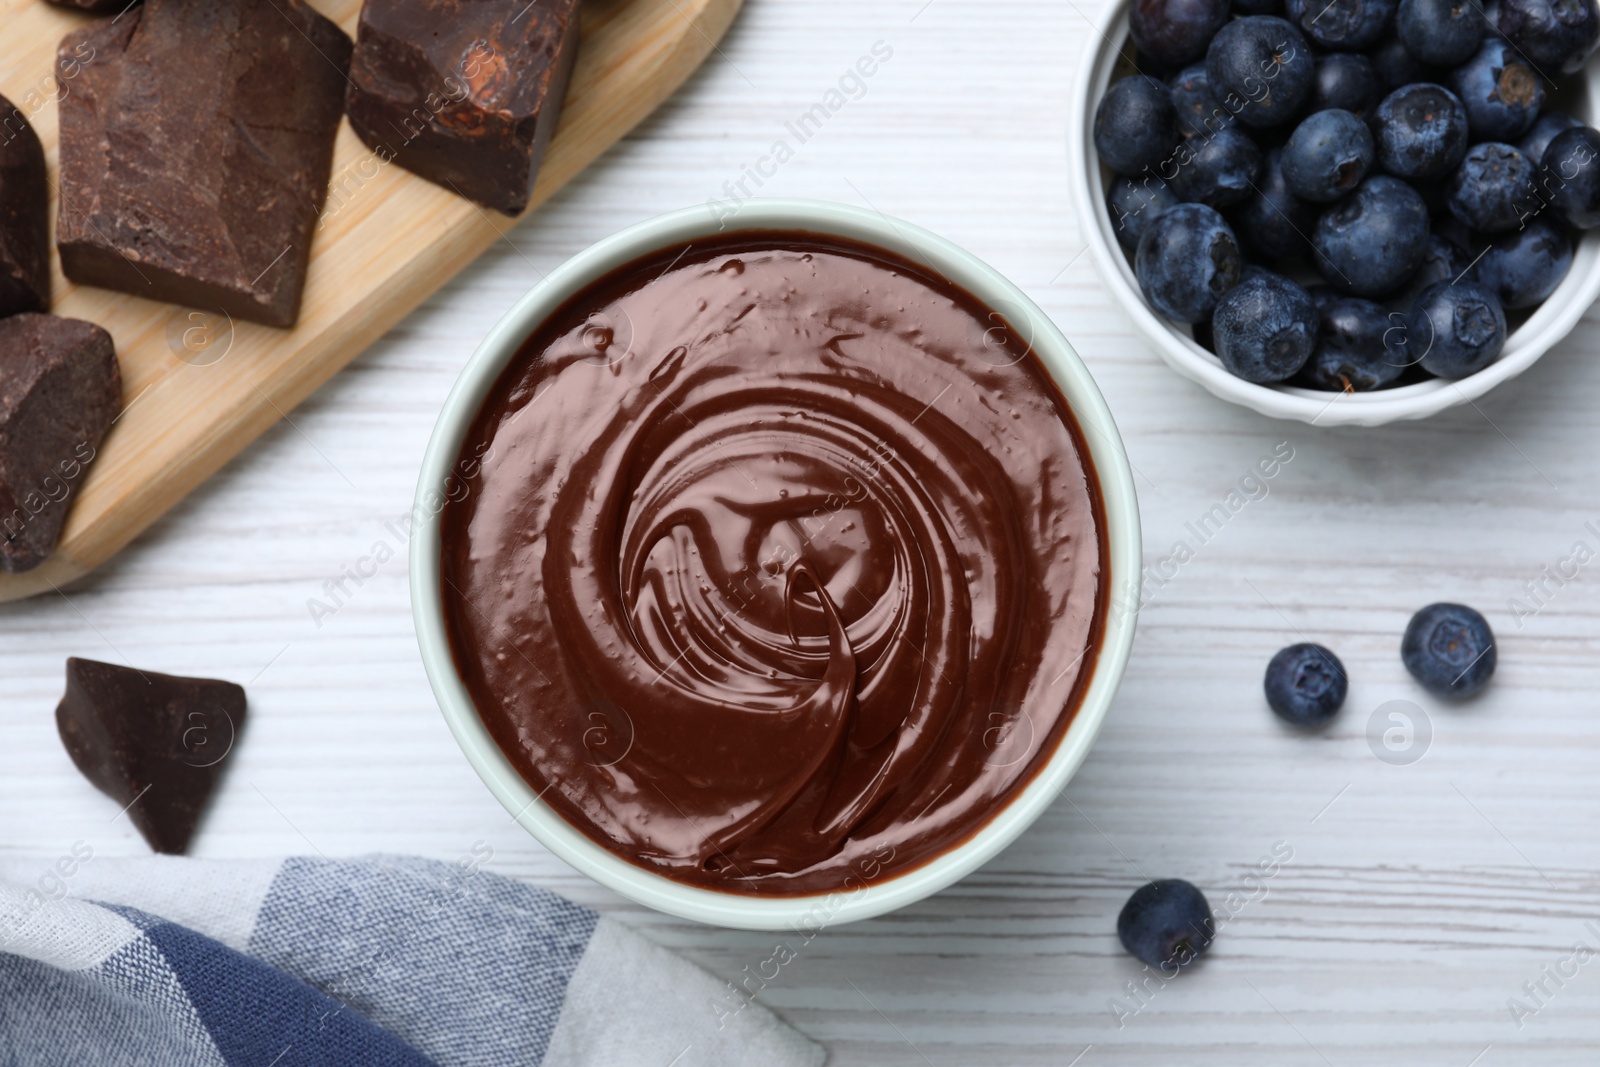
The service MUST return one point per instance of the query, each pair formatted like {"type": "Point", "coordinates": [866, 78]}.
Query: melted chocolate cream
{"type": "Point", "coordinates": [782, 564]}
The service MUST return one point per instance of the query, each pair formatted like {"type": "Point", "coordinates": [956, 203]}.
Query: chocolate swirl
{"type": "Point", "coordinates": [779, 559]}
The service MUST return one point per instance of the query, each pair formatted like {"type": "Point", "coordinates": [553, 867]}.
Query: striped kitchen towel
{"type": "Point", "coordinates": [382, 961]}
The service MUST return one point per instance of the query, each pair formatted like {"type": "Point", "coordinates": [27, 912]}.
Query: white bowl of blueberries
{"type": "Point", "coordinates": [1345, 212]}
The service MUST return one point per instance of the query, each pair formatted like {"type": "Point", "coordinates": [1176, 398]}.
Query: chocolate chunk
{"type": "Point", "coordinates": [465, 93]}
{"type": "Point", "coordinates": [153, 742]}
{"type": "Point", "coordinates": [60, 390]}
{"type": "Point", "coordinates": [196, 146]}
{"type": "Point", "coordinates": [24, 217]}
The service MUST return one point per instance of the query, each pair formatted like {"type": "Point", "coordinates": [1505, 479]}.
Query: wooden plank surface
{"type": "Point", "coordinates": [1419, 899]}
{"type": "Point", "coordinates": [199, 389]}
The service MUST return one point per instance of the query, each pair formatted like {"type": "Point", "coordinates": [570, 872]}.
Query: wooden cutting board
{"type": "Point", "coordinates": [197, 389]}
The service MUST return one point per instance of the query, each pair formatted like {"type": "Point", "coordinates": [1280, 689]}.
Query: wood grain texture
{"type": "Point", "coordinates": [1419, 898]}
{"type": "Point", "coordinates": [387, 240]}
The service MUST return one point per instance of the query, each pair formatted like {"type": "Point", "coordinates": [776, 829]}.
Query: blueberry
{"type": "Point", "coordinates": [1135, 127]}
{"type": "Point", "coordinates": [1421, 131]}
{"type": "Point", "coordinates": [1327, 155]}
{"type": "Point", "coordinates": [1200, 113]}
{"type": "Point", "coordinates": [1500, 90]}
{"type": "Point", "coordinates": [1396, 66]}
{"type": "Point", "coordinates": [1454, 330]}
{"type": "Point", "coordinates": [1260, 66]}
{"type": "Point", "coordinates": [1555, 35]}
{"type": "Point", "coordinates": [1273, 220]}
{"type": "Point", "coordinates": [1353, 353]}
{"type": "Point", "coordinates": [1324, 296]}
{"type": "Point", "coordinates": [1175, 32]}
{"type": "Point", "coordinates": [1441, 32]}
{"type": "Point", "coordinates": [1543, 130]}
{"type": "Point", "coordinates": [1493, 190]}
{"type": "Point", "coordinates": [1342, 25]}
{"type": "Point", "coordinates": [1525, 267]}
{"type": "Point", "coordinates": [1264, 328]}
{"type": "Point", "coordinates": [1569, 177]}
{"type": "Point", "coordinates": [1370, 242]}
{"type": "Point", "coordinates": [1449, 649]}
{"type": "Point", "coordinates": [1166, 924]}
{"type": "Point", "coordinates": [1133, 204]}
{"type": "Point", "coordinates": [1218, 170]}
{"type": "Point", "coordinates": [1346, 81]}
{"type": "Point", "coordinates": [1188, 257]}
{"type": "Point", "coordinates": [1442, 261]}
{"type": "Point", "coordinates": [1306, 685]}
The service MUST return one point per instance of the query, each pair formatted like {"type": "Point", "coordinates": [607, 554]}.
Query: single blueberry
{"type": "Point", "coordinates": [1525, 267]}
{"type": "Point", "coordinates": [1370, 242]}
{"type": "Point", "coordinates": [1420, 131]}
{"type": "Point", "coordinates": [1442, 261]}
{"type": "Point", "coordinates": [1327, 155]}
{"type": "Point", "coordinates": [1493, 190]}
{"type": "Point", "coordinates": [1135, 127]}
{"type": "Point", "coordinates": [1166, 924]}
{"type": "Point", "coordinates": [1175, 32]}
{"type": "Point", "coordinates": [1133, 203]}
{"type": "Point", "coordinates": [1346, 81]}
{"type": "Point", "coordinates": [1342, 25]}
{"type": "Point", "coordinates": [1187, 258]}
{"type": "Point", "coordinates": [1264, 328]}
{"type": "Point", "coordinates": [1262, 68]}
{"type": "Point", "coordinates": [1441, 32]}
{"type": "Point", "coordinates": [1218, 170]}
{"type": "Point", "coordinates": [1353, 353]}
{"type": "Point", "coordinates": [1569, 178]}
{"type": "Point", "coordinates": [1273, 220]}
{"type": "Point", "coordinates": [1306, 685]}
{"type": "Point", "coordinates": [1324, 296]}
{"type": "Point", "coordinates": [1555, 35]}
{"type": "Point", "coordinates": [1200, 113]}
{"type": "Point", "coordinates": [1454, 330]}
{"type": "Point", "coordinates": [1500, 90]}
{"type": "Point", "coordinates": [1449, 649]}
{"type": "Point", "coordinates": [1396, 66]}
{"type": "Point", "coordinates": [1543, 131]}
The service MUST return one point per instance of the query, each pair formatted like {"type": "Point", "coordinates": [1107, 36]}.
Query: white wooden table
{"type": "Point", "coordinates": [1419, 898]}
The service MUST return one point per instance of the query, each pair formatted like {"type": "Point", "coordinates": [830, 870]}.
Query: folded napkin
{"type": "Point", "coordinates": [383, 960]}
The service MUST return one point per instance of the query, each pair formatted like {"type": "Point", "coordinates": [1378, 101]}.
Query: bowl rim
{"type": "Point", "coordinates": [1542, 330]}
{"type": "Point", "coordinates": [439, 475]}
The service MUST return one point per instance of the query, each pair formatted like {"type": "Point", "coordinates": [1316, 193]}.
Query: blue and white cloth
{"type": "Point", "coordinates": [380, 961]}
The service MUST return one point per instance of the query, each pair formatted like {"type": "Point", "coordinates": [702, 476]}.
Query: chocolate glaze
{"type": "Point", "coordinates": [776, 564]}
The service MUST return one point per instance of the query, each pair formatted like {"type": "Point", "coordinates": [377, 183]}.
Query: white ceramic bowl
{"type": "Point", "coordinates": [479, 377]}
{"type": "Point", "coordinates": [1552, 321]}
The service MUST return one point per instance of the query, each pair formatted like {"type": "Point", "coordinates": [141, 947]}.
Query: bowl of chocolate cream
{"type": "Point", "coordinates": [776, 565]}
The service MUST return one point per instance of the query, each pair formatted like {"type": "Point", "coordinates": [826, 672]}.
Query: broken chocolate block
{"type": "Point", "coordinates": [195, 151]}
{"type": "Point", "coordinates": [60, 390]}
{"type": "Point", "coordinates": [465, 93]}
{"type": "Point", "coordinates": [151, 742]}
{"type": "Point", "coordinates": [24, 217]}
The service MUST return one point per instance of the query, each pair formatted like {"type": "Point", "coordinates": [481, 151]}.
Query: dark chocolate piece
{"type": "Point", "coordinates": [196, 146]}
{"type": "Point", "coordinates": [465, 93]}
{"type": "Point", "coordinates": [60, 390]}
{"type": "Point", "coordinates": [24, 216]}
{"type": "Point", "coordinates": [153, 742]}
